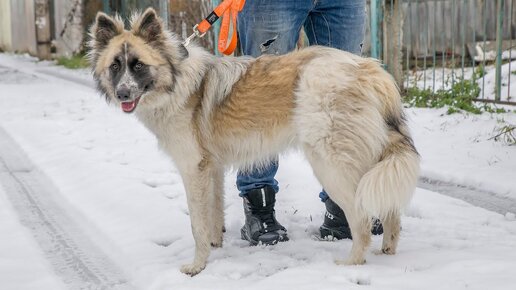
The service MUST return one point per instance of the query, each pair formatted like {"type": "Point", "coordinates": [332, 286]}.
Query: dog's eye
{"type": "Point", "coordinates": [115, 67]}
{"type": "Point", "coordinates": [138, 66]}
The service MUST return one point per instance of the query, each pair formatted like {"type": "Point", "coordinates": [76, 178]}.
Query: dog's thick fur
{"type": "Point", "coordinates": [343, 111]}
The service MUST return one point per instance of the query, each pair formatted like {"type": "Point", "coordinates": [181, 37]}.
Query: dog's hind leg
{"type": "Point", "coordinates": [341, 188]}
{"type": "Point", "coordinates": [359, 222]}
{"type": "Point", "coordinates": [360, 226]}
{"type": "Point", "coordinates": [391, 233]}
{"type": "Point", "coordinates": [217, 207]}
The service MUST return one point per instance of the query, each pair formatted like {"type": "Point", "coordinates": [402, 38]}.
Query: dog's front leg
{"type": "Point", "coordinates": [217, 207]}
{"type": "Point", "coordinates": [197, 183]}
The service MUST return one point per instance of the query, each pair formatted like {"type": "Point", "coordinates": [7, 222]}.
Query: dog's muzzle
{"type": "Point", "coordinates": [128, 104]}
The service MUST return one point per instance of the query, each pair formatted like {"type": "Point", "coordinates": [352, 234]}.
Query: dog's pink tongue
{"type": "Point", "coordinates": [128, 106]}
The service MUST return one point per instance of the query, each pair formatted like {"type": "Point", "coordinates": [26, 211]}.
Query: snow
{"type": "Point", "coordinates": [457, 148]}
{"type": "Point", "coordinates": [22, 263]}
{"type": "Point", "coordinates": [110, 172]}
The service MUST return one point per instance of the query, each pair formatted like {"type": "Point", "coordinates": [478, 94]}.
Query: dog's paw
{"type": "Point", "coordinates": [350, 262]}
{"type": "Point", "coordinates": [388, 251]}
{"type": "Point", "coordinates": [385, 251]}
{"type": "Point", "coordinates": [216, 237]}
{"type": "Point", "coordinates": [217, 244]}
{"type": "Point", "coordinates": [192, 269]}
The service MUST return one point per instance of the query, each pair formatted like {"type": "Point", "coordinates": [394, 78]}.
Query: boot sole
{"type": "Point", "coordinates": [244, 236]}
{"type": "Point", "coordinates": [327, 232]}
{"type": "Point", "coordinates": [337, 235]}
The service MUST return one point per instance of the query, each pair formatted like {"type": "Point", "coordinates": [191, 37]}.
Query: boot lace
{"type": "Point", "coordinates": [266, 216]}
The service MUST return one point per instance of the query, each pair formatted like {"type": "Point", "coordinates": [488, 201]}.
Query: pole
{"type": "Point", "coordinates": [106, 7]}
{"type": "Point", "coordinates": [392, 33]}
{"type": "Point", "coordinates": [375, 39]}
{"type": "Point", "coordinates": [499, 36]}
{"type": "Point", "coordinates": [42, 21]}
{"type": "Point", "coordinates": [163, 11]}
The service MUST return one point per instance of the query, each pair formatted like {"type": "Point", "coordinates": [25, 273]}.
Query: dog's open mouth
{"type": "Point", "coordinates": [130, 106]}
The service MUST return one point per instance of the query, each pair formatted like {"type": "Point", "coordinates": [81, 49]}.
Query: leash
{"type": "Point", "coordinates": [226, 9]}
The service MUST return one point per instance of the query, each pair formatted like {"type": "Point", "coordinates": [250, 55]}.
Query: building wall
{"type": "Point", "coordinates": [23, 31]}
{"type": "Point", "coordinates": [69, 30]}
{"type": "Point", "coordinates": [5, 25]}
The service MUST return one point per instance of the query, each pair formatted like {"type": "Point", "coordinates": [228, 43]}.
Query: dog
{"type": "Point", "coordinates": [344, 112]}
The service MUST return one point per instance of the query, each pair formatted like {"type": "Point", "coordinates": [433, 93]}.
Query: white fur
{"type": "Point", "coordinates": [389, 185]}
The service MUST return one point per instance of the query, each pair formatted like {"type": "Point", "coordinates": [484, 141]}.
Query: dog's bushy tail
{"type": "Point", "coordinates": [388, 186]}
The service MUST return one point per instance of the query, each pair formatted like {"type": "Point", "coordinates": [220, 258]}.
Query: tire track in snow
{"type": "Point", "coordinates": [80, 263]}
{"type": "Point", "coordinates": [481, 198]}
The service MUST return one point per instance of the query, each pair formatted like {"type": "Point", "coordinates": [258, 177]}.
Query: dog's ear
{"type": "Point", "coordinates": [148, 26]}
{"type": "Point", "coordinates": [104, 29]}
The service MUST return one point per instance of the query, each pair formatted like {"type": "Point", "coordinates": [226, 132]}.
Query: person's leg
{"type": "Point", "coordinates": [258, 178]}
{"type": "Point", "coordinates": [266, 27]}
{"type": "Point", "coordinates": [271, 26]}
{"type": "Point", "coordinates": [337, 24]}
{"type": "Point", "coordinates": [341, 25]}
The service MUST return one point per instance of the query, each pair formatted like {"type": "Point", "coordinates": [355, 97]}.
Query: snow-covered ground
{"type": "Point", "coordinates": [113, 178]}
{"type": "Point", "coordinates": [458, 148]}
{"type": "Point", "coordinates": [22, 263]}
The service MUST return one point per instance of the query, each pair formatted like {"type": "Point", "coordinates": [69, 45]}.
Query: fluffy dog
{"type": "Point", "coordinates": [343, 111]}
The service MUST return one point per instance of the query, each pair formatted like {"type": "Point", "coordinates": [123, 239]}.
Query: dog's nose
{"type": "Point", "coordinates": [123, 94]}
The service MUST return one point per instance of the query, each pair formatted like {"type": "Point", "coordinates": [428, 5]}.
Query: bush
{"type": "Point", "coordinates": [459, 97]}
{"type": "Point", "coordinates": [75, 62]}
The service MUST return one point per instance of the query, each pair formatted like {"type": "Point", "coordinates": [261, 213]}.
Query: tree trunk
{"type": "Point", "coordinates": [392, 36]}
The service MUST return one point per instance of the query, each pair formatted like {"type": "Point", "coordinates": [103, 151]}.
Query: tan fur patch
{"type": "Point", "coordinates": [263, 99]}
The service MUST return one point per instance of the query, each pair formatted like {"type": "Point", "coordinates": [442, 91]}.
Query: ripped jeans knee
{"type": "Point", "coordinates": [265, 46]}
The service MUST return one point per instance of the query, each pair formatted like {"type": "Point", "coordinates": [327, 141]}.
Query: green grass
{"type": "Point", "coordinates": [506, 134]}
{"type": "Point", "coordinates": [458, 98]}
{"type": "Point", "coordinates": [75, 62]}
{"type": "Point", "coordinates": [479, 72]}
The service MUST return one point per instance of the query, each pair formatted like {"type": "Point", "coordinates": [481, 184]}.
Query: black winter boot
{"type": "Point", "coordinates": [336, 225]}
{"type": "Point", "coordinates": [261, 225]}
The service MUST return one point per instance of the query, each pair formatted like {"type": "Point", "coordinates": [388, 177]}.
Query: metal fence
{"type": "Point", "coordinates": [447, 44]}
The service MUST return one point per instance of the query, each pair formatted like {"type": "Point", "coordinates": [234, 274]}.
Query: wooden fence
{"type": "Point", "coordinates": [450, 22]}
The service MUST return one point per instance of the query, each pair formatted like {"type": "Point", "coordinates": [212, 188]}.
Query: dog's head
{"type": "Point", "coordinates": [131, 67]}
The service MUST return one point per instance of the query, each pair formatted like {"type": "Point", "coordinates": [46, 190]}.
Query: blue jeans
{"type": "Point", "coordinates": [273, 27]}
